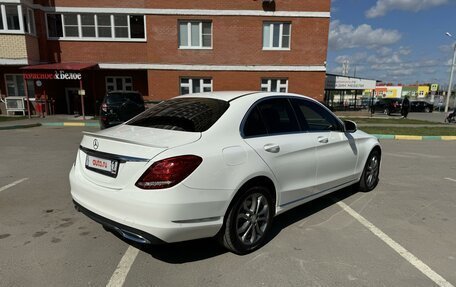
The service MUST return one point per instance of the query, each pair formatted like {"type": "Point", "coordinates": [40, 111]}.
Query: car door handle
{"type": "Point", "coordinates": [323, 140]}
{"type": "Point", "coordinates": [274, 148]}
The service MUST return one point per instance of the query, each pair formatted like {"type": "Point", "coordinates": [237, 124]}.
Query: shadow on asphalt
{"type": "Point", "coordinates": [196, 250]}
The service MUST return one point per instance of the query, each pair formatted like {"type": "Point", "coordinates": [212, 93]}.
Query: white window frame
{"type": "Point", "coordinates": [97, 38]}
{"type": "Point", "coordinates": [189, 85]}
{"type": "Point", "coordinates": [268, 85]}
{"type": "Point", "coordinates": [271, 36]}
{"type": "Point", "coordinates": [14, 82]}
{"type": "Point", "coordinates": [124, 83]}
{"type": "Point", "coordinates": [20, 10]}
{"type": "Point", "coordinates": [189, 35]}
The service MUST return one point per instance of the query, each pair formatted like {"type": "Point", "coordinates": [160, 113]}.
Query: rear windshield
{"type": "Point", "coordinates": [118, 98]}
{"type": "Point", "coordinates": [186, 114]}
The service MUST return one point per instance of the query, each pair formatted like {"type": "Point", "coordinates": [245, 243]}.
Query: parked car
{"type": "Point", "coordinates": [118, 107]}
{"type": "Point", "coordinates": [421, 106]}
{"type": "Point", "coordinates": [219, 164]}
{"type": "Point", "coordinates": [387, 106]}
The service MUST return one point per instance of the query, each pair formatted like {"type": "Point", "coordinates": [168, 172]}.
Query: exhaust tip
{"type": "Point", "coordinates": [132, 236]}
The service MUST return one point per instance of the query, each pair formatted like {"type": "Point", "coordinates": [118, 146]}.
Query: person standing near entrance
{"type": "Point", "coordinates": [405, 107]}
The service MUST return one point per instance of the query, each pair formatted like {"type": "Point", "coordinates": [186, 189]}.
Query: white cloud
{"type": "Point", "coordinates": [342, 36]}
{"type": "Point", "coordinates": [384, 6]}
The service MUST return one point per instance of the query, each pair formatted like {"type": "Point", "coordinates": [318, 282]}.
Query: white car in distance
{"type": "Point", "coordinates": [218, 164]}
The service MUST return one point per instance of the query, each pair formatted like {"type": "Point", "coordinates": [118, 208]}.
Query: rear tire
{"type": "Point", "coordinates": [248, 221]}
{"type": "Point", "coordinates": [387, 112]}
{"type": "Point", "coordinates": [370, 176]}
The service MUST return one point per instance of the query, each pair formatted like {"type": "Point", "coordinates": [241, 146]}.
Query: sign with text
{"type": "Point", "coordinates": [56, 75]}
{"type": "Point", "coordinates": [334, 82]}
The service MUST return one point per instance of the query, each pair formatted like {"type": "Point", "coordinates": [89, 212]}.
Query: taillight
{"type": "Point", "coordinates": [168, 172]}
{"type": "Point", "coordinates": [104, 107]}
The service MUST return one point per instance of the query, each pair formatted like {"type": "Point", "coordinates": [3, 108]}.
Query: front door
{"type": "Point", "coordinates": [73, 103]}
{"type": "Point", "coordinates": [336, 150]}
{"type": "Point", "coordinates": [272, 130]}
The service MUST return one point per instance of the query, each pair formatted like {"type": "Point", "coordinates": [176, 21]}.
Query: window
{"type": "Point", "coordinates": [88, 25]}
{"type": "Point", "coordinates": [119, 84]}
{"type": "Point", "coordinates": [276, 36]}
{"type": "Point", "coordinates": [137, 27]}
{"type": "Point", "coordinates": [195, 34]}
{"type": "Point", "coordinates": [188, 114]}
{"type": "Point", "coordinates": [195, 85]}
{"type": "Point", "coordinates": [12, 17]}
{"type": "Point", "coordinates": [254, 125]}
{"type": "Point", "coordinates": [274, 85]}
{"type": "Point", "coordinates": [29, 21]}
{"type": "Point", "coordinates": [54, 24]}
{"type": "Point", "coordinates": [313, 117]}
{"type": "Point", "coordinates": [15, 86]}
{"type": "Point", "coordinates": [96, 26]}
{"type": "Point", "coordinates": [16, 19]}
{"type": "Point", "coordinates": [121, 26]}
{"type": "Point", "coordinates": [71, 25]}
{"type": "Point", "coordinates": [278, 116]}
{"type": "Point", "coordinates": [104, 26]}
{"type": "Point", "coordinates": [1, 18]}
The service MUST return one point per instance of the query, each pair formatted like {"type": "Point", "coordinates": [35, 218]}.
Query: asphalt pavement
{"type": "Point", "coordinates": [345, 239]}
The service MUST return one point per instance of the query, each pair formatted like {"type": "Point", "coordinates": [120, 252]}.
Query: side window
{"type": "Point", "coordinates": [254, 126]}
{"type": "Point", "coordinates": [313, 117]}
{"type": "Point", "coordinates": [278, 116]}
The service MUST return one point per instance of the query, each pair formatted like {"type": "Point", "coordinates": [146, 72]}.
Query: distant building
{"type": "Point", "coordinates": [160, 48]}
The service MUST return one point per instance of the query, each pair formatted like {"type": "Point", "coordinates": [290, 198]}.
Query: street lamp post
{"type": "Point", "coordinates": [451, 77]}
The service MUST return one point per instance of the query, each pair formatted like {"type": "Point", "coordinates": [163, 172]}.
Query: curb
{"type": "Point", "coordinates": [416, 138]}
{"type": "Point", "coordinates": [20, 126]}
{"type": "Point", "coordinates": [71, 124]}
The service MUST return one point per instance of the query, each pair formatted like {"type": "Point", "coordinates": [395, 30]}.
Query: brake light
{"type": "Point", "coordinates": [168, 172]}
{"type": "Point", "coordinates": [104, 107]}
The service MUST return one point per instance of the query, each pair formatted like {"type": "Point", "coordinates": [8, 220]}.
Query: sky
{"type": "Point", "coordinates": [394, 41]}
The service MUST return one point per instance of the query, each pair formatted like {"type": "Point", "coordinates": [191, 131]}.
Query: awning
{"type": "Point", "coordinates": [62, 66]}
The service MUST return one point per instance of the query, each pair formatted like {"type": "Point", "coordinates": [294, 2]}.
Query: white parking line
{"type": "Point", "coordinates": [121, 272]}
{"type": "Point", "coordinates": [450, 179]}
{"type": "Point", "coordinates": [12, 184]}
{"type": "Point", "coordinates": [412, 259]}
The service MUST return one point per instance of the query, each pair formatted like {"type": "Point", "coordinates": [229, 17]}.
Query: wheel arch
{"type": "Point", "coordinates": [260, 180]}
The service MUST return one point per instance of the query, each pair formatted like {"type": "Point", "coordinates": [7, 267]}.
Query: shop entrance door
{"type": "Point", "coordinates": [72, 101]}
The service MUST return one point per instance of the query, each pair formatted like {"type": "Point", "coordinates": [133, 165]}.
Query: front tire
{"type": "Point", "coordinates": [370, 176]}
{"type": "Point", "coordinates": [249, 221]}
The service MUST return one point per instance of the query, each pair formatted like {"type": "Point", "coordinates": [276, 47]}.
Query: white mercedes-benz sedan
{"type": "Point", "coordinates": [218, 164]}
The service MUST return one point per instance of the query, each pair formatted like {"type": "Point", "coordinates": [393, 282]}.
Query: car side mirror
{"type": "Point", "coordinates": [350, 126]}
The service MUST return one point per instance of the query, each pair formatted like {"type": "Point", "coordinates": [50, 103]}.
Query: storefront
{"type": "Point", "coordinates": [348, 93]}
{"type": "Point", "coordinates": [59, 86]}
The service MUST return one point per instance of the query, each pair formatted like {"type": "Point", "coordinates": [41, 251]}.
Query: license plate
{"type": "Point", "coordinates": [104, 166]}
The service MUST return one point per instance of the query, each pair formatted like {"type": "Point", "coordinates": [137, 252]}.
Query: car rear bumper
{"type": "Point", "coordinates": [150, 216]}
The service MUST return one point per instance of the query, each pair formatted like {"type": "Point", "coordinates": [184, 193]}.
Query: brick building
{"type": "Point", "coordinates": [161, 48]}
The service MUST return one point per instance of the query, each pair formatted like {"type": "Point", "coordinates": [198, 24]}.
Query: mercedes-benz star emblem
{"type": "Point", "coordinates": [95, 144]}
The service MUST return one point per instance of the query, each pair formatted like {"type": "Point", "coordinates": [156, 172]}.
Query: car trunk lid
{"type": "Point", "coordinates": [114, 157]}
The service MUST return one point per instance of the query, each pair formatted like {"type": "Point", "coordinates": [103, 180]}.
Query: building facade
{"type": "Point", "coordinates": [160, 48]}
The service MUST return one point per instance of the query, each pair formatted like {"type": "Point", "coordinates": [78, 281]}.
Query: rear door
{"type": "Point", "coordinates": [272, 130]}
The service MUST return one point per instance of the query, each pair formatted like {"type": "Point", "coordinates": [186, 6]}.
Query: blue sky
{"type": "Point", "coordinates": [397, 41]}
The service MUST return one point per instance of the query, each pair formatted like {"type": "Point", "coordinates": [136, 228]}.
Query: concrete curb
{"type": "Point", "coordinates": [416, 138]}
{"type": "Point", "coordinates": [71, 124]}
{"type": "Point", "coordinates": [13, 127]}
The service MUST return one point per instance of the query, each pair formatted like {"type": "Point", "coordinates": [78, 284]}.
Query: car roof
{"type": "Point", "coordinates": [232, 95]}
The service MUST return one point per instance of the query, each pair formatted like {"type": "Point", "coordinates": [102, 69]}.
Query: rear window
{"type": "Point", "coordinates": [186, 114]}
{"type": "Point", "coordinates": [118, 98]}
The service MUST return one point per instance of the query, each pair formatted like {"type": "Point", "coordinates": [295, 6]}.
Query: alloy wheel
{"type": "Point", "coordinates": [252, 219]}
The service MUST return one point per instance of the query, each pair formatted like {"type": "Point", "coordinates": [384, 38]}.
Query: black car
{"type": "Point", "coordinates": [118, 107]}
{"type": "Point", "coordinates": [387, 106]}
{"type": "Point", "coordinates": [421, 106]}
